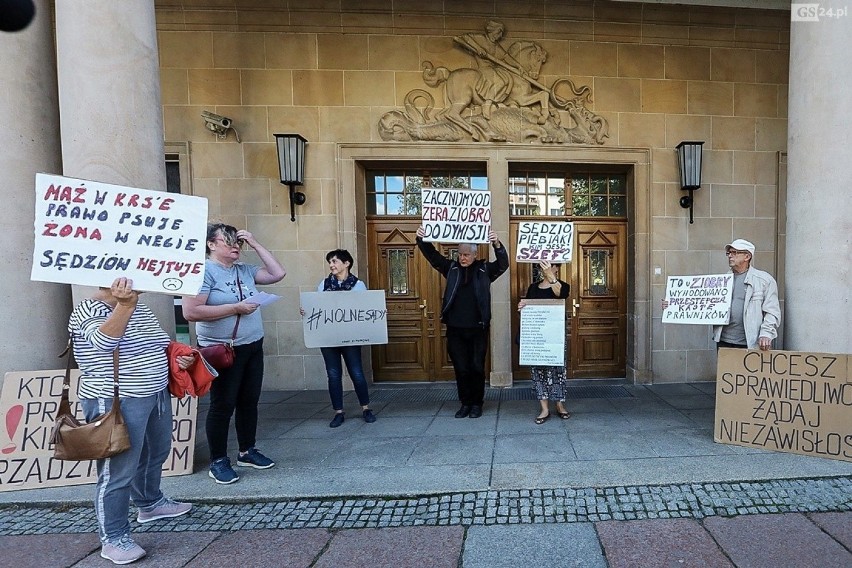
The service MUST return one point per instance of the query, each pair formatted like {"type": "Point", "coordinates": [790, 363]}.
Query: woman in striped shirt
{"type": "Point", "coordinates": [113, 319]}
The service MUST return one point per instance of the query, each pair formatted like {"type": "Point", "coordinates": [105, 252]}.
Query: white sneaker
{"type": "Point", "coordinates": [122, 551]}
{"type": "Point", "coordinates": [165, 510]}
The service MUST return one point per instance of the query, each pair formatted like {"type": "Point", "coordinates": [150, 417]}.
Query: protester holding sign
{"type": "Point", "coordinates": [548, 382]}
{"type": "Point", "coordinates": [113, 319]}
{"type": "Point", "coordinates": [466, 311]}
{"type": "Point", "coordinates": [340, 279]}
{"type": "Point", "coordinates": [222, 312]}
{"type": "Point", "coordinates": [755, 311]}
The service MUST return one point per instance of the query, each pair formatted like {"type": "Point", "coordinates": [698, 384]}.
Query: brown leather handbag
{"type": "Point", "coordinates": [103, 437]}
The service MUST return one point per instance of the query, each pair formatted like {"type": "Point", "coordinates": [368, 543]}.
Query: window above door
{"type": "Point", "coordinates": [572, 193]}
{"type": "Point", "coordinates": [397, 192]}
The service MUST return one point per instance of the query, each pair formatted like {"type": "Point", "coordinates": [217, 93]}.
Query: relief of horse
{"type": "Point", "coordinates": [464, 86]}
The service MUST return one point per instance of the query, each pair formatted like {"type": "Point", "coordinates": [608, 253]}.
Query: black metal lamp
{"type": "Point", "coordinates": [689, 164]}
{"type": "Point", "coordinates": [291, 165]}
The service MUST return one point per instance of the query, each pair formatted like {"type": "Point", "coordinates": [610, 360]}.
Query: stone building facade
{"type": "Point", "coordinates": [624, 83]}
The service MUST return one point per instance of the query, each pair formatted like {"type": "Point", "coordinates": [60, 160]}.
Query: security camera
{"type": "Point", "coordinates": [216, 122]}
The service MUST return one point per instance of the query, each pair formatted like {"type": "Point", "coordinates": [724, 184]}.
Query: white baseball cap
{"type": "Point", "coordinates": [740, 244]}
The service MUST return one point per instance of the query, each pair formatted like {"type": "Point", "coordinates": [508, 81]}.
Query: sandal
{"type": "Point", "coordinates": [542, 419]}
{"type": "Point", "coordinates": [563, 415]}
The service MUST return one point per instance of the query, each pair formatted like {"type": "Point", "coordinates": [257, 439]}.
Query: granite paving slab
{"type": "Point", "coordinates": [642, 419]}
{"type": "Point", "coordinates": [838, 525]}
{"type": "Point", "coordinates": [296, 548]}
{"type": "Point", "coordinates": [435, 547]}
{"type": "Point", "coordinates": [659, 542]}
{"type": "Point", "coordinates": [687, 442]}
{"type": "Point", "coordinates": [613, 445]}
{"type": "Point", "coordinates": [56, 551]}
{"type": "Point", "coordinates": [510, 546]}
{"type": "Point", "coordinates": [456, 450]}
{"type": "Point", "coordinates": [788, 540]}
{"type": "Point", "coordinates": [371, 452]}
{"type": "Point", "coordinates": [533, 448]}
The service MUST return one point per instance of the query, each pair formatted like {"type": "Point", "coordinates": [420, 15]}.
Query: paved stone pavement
{"type": "Point", "coordinates": [633, 479]}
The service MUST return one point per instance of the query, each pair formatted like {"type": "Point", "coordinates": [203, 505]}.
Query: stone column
{"type": "Point", "coordinates": [819, 225]}
{"type": "Point", "coordinates": [35, 314]}
{"type": "Point", "coordinates": [109, 99]}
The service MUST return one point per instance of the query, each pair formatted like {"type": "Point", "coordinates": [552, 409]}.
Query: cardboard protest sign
{"type": "Point", "coordinates": [456, 215]}
{"type": "Point", "coordinates": [336, 319]}
{"type": "Point", "coordinates": [545, 240]}
{"type": "Point", "coordinates": [91, 233]}
{"type": "Point", "coordinates": [28, 404]}
{"type": "Point", "coordinates": [785, 401]}
{"type": "Point", "coordinates": [704, 300]}
{"type": "Point", "coordinates": [543, 333]}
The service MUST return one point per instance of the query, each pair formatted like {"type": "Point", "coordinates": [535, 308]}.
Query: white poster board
{"type": "Point", "coordinates": [337, 319]}
{"type": "Point", "coordinates": [456, 215]}
{"type": "Point", "coordinates": [28, 404]}
{"type": "Point", "coordinates": [545, 240]}
{"type": "Point", "coordinates": [785, 401]}
{"type": "Point", "coordinates": [703, 300]}
{"type": "Point", "coordinates": [543, 333]}
{"type": "Point", "coordinates": [91, 233]}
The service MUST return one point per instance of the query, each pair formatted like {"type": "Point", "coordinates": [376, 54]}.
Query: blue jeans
{"type": "Point", "coordinates": [236, 392]}
{"type": "Point", "coordinates": [134, 474]}
{"type": "Point", "coordinates": [334, 369]}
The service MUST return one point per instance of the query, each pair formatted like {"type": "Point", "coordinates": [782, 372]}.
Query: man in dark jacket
{"type": "Point", "coordinates": [466, 311]}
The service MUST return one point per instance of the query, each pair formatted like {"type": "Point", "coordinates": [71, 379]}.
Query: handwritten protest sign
{"type": "Point", "coordinates": [704, 300]}
{"type": "Point", "coordinates": [543, 333]}
{"type": "Point", "coordinates": [90, 233]}
{"type": "Point", "coordinates": [456, 215]}
{"type": "Point", "coordinates": [28, 404]}
{"type": "Point", "coordinates": [786, 401]}
{"type": "Point", "coordinates": [545, 240]}
{"type": "Point", "coordinates": [336, 319]}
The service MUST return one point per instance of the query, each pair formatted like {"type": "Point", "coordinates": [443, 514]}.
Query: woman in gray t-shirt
{"type": "Point", "coordinates": [221, 312]}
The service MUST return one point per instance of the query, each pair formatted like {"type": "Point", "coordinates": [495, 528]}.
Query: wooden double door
{"type": "Point", "coordinates": [596, 309]}
{"type": "Point", "coordinates": [416, 349]}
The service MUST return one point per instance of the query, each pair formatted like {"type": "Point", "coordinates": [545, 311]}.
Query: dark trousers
{"type": "Point", "coordinates": [466, 348]}
{"type": "Point", "coordinates": [731, 345]}
{"type": "Point", "coordinates": [235, 392]}
{"type": "Point", "coordinates": [334, 369]}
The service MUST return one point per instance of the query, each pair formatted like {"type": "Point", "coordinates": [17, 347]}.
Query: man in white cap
{"type": "Point", "coordinates": [755, 311]}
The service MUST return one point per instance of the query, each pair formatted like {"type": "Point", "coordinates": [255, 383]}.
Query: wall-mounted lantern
{"type": "Point", "coordinates": [291, 165]}
{"type": "Point", "coordinates": [689, 165]}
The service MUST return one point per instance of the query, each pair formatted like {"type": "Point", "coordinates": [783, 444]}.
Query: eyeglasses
{"type": "Point", "coordinates": [236, 244]}
{"type": "Point", "coordinates": [735, 252]}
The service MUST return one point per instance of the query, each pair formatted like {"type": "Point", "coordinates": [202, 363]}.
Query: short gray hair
{"type": "Point", "coordinates": [472, 248]}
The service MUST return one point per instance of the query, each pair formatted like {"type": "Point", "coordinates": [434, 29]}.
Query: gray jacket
{"type": "Point", "coordinates": [762, 311]}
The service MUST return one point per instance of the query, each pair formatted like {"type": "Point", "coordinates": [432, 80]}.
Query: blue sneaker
{"type": "Point", "coordinates": [255, 459]}
{"type": "Point", "coordinates": [222, 472]}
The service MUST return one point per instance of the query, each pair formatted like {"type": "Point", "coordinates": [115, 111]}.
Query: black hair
{"type": "Point", "coordinates": [343, 255]}
{"type": "Point", "coordinates": [227, 232]}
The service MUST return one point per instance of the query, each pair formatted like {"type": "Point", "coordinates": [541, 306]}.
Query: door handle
{"type": "Point", "coordinates": [574, 306]}
{"type": "Point", "coordinates": [423, 306]}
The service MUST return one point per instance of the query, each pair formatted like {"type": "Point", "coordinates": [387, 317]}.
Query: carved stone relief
{"type": "Point", "coordinates": [500, 100]}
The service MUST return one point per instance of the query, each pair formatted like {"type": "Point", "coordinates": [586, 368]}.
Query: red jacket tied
{"type": "Point", "coordinates": [196, 379]}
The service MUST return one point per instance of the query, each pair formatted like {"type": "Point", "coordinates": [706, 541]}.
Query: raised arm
{"type": "Point", "coordinates": [271, 271]}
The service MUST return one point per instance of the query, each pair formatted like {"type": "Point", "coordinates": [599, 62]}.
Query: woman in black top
{"type": "Point", "coordinates": [548, 382]}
